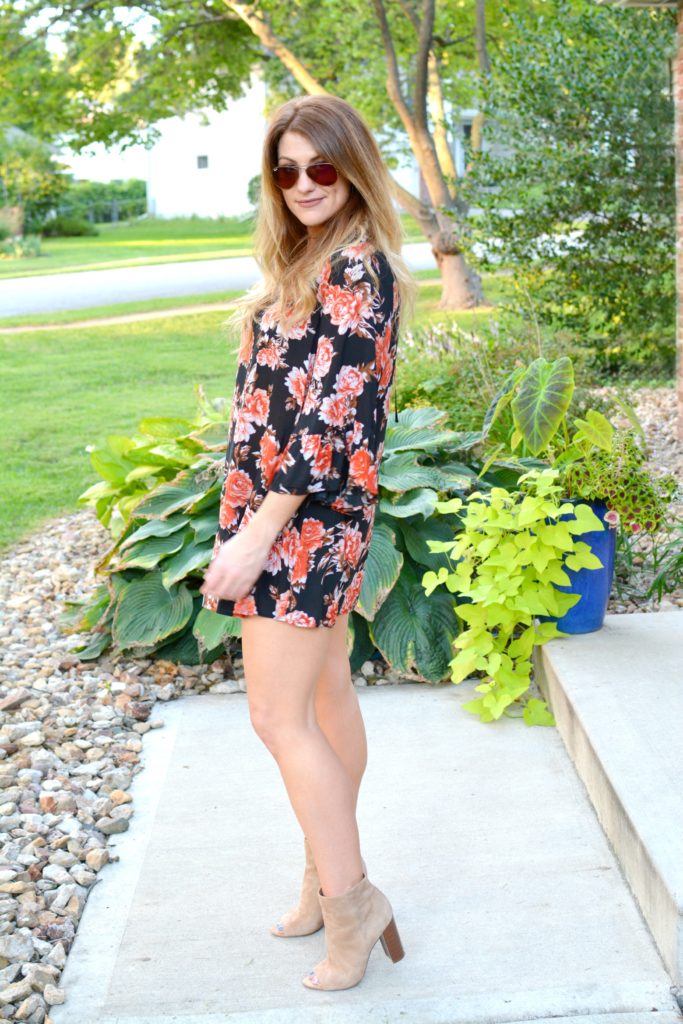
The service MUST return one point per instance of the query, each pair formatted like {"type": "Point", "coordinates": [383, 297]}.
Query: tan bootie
{"type": "Point", "coordinates": [354, 922]}
{"type": "Point", "coordinates": [306, 917]}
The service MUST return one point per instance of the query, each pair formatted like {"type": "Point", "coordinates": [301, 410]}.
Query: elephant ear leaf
{"type": "Point", "coordinates": [542, 400]}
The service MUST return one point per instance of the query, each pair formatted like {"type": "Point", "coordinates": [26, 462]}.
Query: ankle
{"type": "Point", "coordinates": [342, 890]}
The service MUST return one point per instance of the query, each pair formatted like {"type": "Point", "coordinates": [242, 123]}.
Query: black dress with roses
{"type": "Point", "coordinates": [309, 416]}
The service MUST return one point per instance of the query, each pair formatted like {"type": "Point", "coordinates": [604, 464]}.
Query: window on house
{"type": "Point", "coordinates": [202, 162]}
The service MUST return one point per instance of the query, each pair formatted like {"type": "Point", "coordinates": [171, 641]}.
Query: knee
{"type": "Point", "coordinates": [273, 731]}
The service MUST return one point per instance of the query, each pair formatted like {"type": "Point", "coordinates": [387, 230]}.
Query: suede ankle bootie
{"type": "Point", "coordinates": [354, 922]}
{"type": "Point", "coordinates": [307, 916]}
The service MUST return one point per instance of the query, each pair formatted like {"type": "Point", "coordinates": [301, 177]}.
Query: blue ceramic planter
{"type": "Point", "coordinates": [593, 585]}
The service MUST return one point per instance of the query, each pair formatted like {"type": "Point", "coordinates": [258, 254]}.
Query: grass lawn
{"type": "Point", "coordinates": [68, 316]}
{"type": "Point", "coordinates": [138, 243]}
{"type": "Point", "coordinates": [68, 389]}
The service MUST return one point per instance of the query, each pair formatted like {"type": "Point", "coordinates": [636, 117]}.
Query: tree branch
{"type": "Point", "coordinates": [423, 47]}
{"type": "Point", "coordinates": [480, 39]}
{"type": "Point", "coordinates": [393, 79]}
{"type": "Point", "coordinates": [264, 33]}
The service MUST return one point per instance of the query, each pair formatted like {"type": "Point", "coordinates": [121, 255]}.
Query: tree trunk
{"type": "Point", "coordinates": [461, 286]}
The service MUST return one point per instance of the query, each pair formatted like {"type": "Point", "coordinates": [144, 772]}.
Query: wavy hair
{"type": "Point", "coordinates": [289, 259]}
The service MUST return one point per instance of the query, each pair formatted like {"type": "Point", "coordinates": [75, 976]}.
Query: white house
{"type": "Point", "coordinates": [202, 163]}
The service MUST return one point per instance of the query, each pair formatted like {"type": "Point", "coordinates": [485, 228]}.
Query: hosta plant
{"type": "Point", "coordinates": [513, 549]}
{"type": "Point", "coordinates": [159, 497]}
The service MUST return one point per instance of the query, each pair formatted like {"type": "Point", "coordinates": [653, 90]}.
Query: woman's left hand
{"type": "Point", "coordinates": [236, 567]}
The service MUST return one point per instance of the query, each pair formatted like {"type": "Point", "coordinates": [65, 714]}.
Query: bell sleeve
{"type": "Point", "coordinates": [335, 446]}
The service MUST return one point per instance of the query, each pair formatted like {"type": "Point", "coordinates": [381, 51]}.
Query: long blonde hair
{"type": "Point", "coordinates": [289, 259]}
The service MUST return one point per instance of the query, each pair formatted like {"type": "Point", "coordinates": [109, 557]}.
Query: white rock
{"type": "Point", "coordinates": [53, 995]}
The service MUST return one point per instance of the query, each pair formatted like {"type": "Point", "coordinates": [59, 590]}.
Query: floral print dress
{"type": "Point", "coordinates": [309, 415]}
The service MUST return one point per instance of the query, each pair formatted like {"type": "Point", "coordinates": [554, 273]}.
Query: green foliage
{"type": "Point", "coordinates": [20, 248]}
{"type": "Point", "coordinates": [30, 177]}
{"type": "Point", "coordinates": [159, 496]}
{"type": "Point", "coordinates": [648, 567]}
{"type": "Point", "coordinates": [67, 226]}
{"type": "Point", "coordinates": [596, 462]}
{"type": "Point", "coordinates": [105, 201]}
{"type": "Point", "coordinates": [508, 557]}
{"type": "Point", "coordinates": [254, 190]}
{"type": "Point", "coordinates": [612, 468]}
{"type": "Point", "coordinates": [577, 180]}
{"type": "Point", "coordinates": [422, 460]}
{"type": "Point", "coordinates": [541, 400]}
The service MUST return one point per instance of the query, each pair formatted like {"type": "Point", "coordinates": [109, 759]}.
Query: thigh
{"type": "Point", "coordinates": [282, 664]}
{"type": "Point", "coordinates": [335, 674]}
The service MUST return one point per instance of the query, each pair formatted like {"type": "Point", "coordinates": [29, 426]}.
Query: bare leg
{"type": "Point", "coordinates": [283, 664]}
{"type": "Point", "coordinates": [337, 708]}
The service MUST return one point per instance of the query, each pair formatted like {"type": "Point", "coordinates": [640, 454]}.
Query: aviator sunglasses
{"type": "Point", "coordinates": [287, 175]}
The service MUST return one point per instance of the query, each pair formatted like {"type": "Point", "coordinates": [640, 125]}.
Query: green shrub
{"type": "Point", "coordinates": [20, 248]}
{"type": "Point", "coordinates": [460, 371]}
{"type": "Point", "coordinates": [65, 226]}
{"type": "Point", "coordinates": [254, 190]}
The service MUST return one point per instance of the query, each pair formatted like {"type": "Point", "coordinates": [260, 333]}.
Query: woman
{"type": "Point", "coordinates": [310, 408]}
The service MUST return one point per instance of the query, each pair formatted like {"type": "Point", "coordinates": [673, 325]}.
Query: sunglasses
{"type": "Point", "coordinates": [287, 176]}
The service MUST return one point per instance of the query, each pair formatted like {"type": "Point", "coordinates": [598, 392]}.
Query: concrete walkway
{"type": "Point", "coordinates": [510, 903]}
{"type": "Point", "coordinates": [48, 293]}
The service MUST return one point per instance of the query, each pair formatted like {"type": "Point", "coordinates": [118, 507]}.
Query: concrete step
{"type": "Point", "coordinates": [617, 696]}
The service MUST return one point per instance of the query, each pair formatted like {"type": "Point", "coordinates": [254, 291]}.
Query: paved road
{"type": "Point", "coordinates": [52, 292]}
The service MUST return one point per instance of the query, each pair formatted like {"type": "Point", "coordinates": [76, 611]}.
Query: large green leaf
{"type": "Point", "coordinates": [401, 472]}
{"type": "Point", "coordinates": [382, 566]}
{"type": "Point", "coordinates": [147, 553]}
{"type": "Point", "coordinates": [501, 399]}
{"type": "Point", "coordinates": [542, 400]}
{"type": "Point", "coordinates": [419, 501]}
{"type": "Point", "coordinates": [401, 437]}
{"type": "Point", "coordinates": [415, 632]}
{"type": "Point", "coordinates": [169, 498]}
{"type": "Point", "coordinates": [155, 528]}
{"type": "Point", "coordinates": [166, 427]}
{"type": "Point", "coordinates": [147, 612]}
{"type": "Point", "coordinates": [114, 469]}
{"type": "Point", "coordinates": [458, 476]}
{"type": "Point", "coordinates": [421, 416]}
{"type": "Point", "coordinates": [193, 556]}
{"type": "Point", "coordinates": [212, 628]}
{"type": "Point", "coordinates": [205, 527]}
{"type": "Point", "coordinates": [210, 496]}
{"type": "Point", "coordinates": [415, 538]}
{"type": "Point", "coordinates": [212, 435]}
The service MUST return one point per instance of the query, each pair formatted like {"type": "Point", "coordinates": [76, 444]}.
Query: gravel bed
{"type": "Point", "coordinates": [71, 737]}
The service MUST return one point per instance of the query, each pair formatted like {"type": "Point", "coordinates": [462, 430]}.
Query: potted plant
{"type": "Point", "coordinates": [598, 464]}
{"type": "Point", "coordinates": [508, 559]}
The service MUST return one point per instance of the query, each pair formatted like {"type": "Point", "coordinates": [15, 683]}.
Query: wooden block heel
{"type": "Point", "coordinates": [391, 942]}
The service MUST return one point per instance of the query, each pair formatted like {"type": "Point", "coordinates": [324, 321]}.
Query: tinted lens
{"type": "Point", "coordinates": [286, 177]}
{"type": "Point", "coordinates": [322, 174]}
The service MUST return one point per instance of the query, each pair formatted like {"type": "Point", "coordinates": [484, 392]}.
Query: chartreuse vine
{"type": "Point", "coordinates": [512, 550]}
